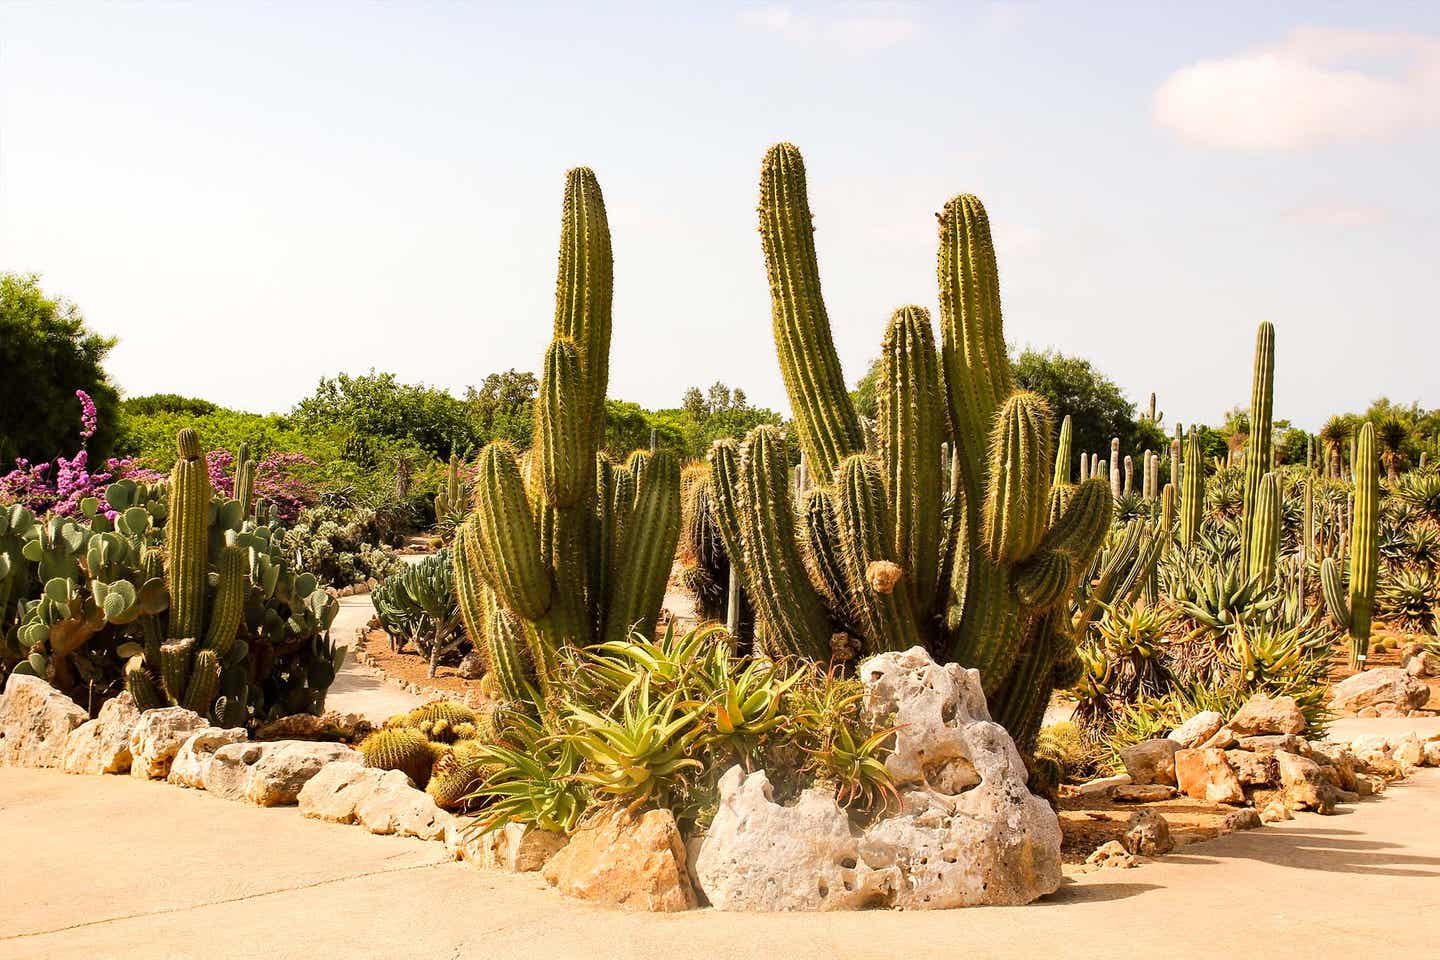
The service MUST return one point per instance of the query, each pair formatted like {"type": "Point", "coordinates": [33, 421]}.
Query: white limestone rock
{"type": "Point", "coordinates": [102, 745]}
{"type": "Point", "coordinates": [36, 721]}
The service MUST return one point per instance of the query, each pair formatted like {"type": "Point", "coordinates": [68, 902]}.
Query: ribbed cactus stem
{"type": "Point", "coordinates": [911, 422]}
{"type": "Point", "coordinates": [1117, 477]}
{"type": "Point", "coordinates": [509, 542]}
{"type": "Point", "coordinates": [560, 427]}
{"type": "Point", "coordinates": [792, 618]}
{"type": "Point", "coordinates": [1129, 481]}
{"type": "Point", "coordinates": [825, 419]}
{"type": "Point", "coordinates": [187, 537]}
{"type": "Point", "coordinates": [1084, 464]}
{"type": "Point", "coordinates": [1265, 532]}
{"type": "Point", "coordinates": [1258, 456]}
{"type": "Point", "coordinates": [644, 567]}
{"type": "Point", "coordinates": [1062, 454]}
{"type": "Point", "coordinates": [885, 608]}
{"type": "Point", "coordinates": [229, 607]}
{"type": "Point", "coordinates": [1364, 544]}
{"type": "Point", "coordinates": [1177, 456]}
{"type": "Point", "coordinates": [977, 371]}
{"type": "Point", "coordinates": [1017, 499]}
{"type": "Point", "coordinates": [1192, 491]}
{"type": "Point", "coordinates": [584, 290]}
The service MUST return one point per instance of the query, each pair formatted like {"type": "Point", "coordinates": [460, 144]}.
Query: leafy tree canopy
{"type": "Point", "coordinates": [46, 354]}
{"type": "Point", "coordinates": [371, 409]}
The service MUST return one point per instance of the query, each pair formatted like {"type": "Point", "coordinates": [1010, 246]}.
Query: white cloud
{"type": "Point", "coordinates": [1336, 213]}
{"type": "Point", "coordinates": [1317, 86]}
{"type": "Point", "coordinates": [868, 27]}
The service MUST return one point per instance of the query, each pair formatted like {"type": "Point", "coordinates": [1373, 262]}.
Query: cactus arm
{"type": "Point", "coordinates": [1364, 543]}
{"type": "Point", "coordinates": [884, 607]}
{"type": "Point", "coordinates": [645, 567]}
{"type": "Point", "coordinates": [911, 432]}
{"type": "Point", "coordinates": [187, 537]}
{"type": "Point", "coordinates": [1257, 458]}
{"type": "Point", "coordinates": [560, 419]}
{"type": "Point", "coordinates": [1062, 453]}
{"type": "Point", "coordinates": [825, 419]}
{"type": "Point", "coordinates": [584, 290]}
{"type": "Point", "coordinates": [508, 540]}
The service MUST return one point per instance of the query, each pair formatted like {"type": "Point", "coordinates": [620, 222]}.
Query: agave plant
{"type": "Point", "coordinates": [1422, 546]}
{"type": "Point", "coordinates": [1216, 598]}
{"type": "Point", "coordinates": [1420, 490]}
{"type": "Point", "coordinates": [1135, 636]}
{"type": "Point", "coordinates": [533, 779]}
{"type": "Point", "coordinates": [1408, 598]}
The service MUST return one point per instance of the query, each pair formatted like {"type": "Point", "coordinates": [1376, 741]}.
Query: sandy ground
{"type": "Point", "coordinates": [359, 689]}
{"type": "Point", "coordinates": [116, 867]}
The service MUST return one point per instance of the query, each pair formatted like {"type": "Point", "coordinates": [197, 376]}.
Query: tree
{"type": "Point", "coordinates": [503, 407]}
{"type": "Point", "coordinates": [720, 412]}
{"type": "Point", "coordinates": [375, 407]}
{"type": "Point", "coordinates": [46, 354]}
{"type": "Point", "coordinates": [1097, 409]}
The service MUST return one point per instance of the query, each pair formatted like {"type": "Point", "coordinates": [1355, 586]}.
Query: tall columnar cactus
{"type": "Point", "coordinates": [450, 497]}
{"type": "Point", "coordinates": [1192, 490]}
{"type": "Point", "coordinates": [1116, 475]}
{"type": "Point", "coordinates": [825, 418]}
{"type": "Point", "coordinates": [187, 536]}
{"type": "Point", "coordinates": [870, 554]}
{"type": "Point", "coordinates": [1258, 456]}
{"type": "Point", "coordinates": [245, 480]}
{"type": "Point", "coordinates": [1265, 530]}
{"type": "Point", "coordinates": [1062, 454]}
{"type": "Point", "coordinates": [563, 547]}
{"type": "Point", "coordinates": [1354, 612]}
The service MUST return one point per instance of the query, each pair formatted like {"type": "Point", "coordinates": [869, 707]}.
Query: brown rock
{"type": "Point", "coordinates": [515, 847]}
{"type": "Point", "coordinates": [1387, 690]}
{"type": "Point", "coordinates": [1252, 769]}
{"type": "Point", "coordinates": [1205, 775]}
{"type": "Point", "coordinates": [1150, 761]}
{"type": "Point", "coordinates": [35, 722]}
{"type": "Point", "coordinates": [343, 727]}
{"type": "Point", "coordinates": [1244, 819]}
{"type": "Point", "coordinates": [1112, 853]}
{"type": "Point", "coordinates": [1198, 729]}
{"type": "Point", "coordinates": [1267, 715]}
{"type": "Point", "coordinates": [637, 863]}
{"type": "Point", "coordinates": [1142, 793]}
{"type": "Point", "coordinates": [1223, 739]}
{"type": "Point", "coordinates": [1275, 811]}
{"type": "Point", "coordinates": [1270, 742]}
{"type": "Point", "coordinates": [1339, 759]}
{"type": "Point", "coordinates": [1147, 835]}
{"type": "Point", "coordinates": [1303, 786]}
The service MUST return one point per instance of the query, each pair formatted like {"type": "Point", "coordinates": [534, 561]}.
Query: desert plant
{"type": "Point", "coordinates": [1408, 599]}
{"type": "Point", "coordinates": [566, 547]}
{"type": "Point", "coordinates": [1353, 612]}
{"type": "Point", "coordinates": [873, 559]}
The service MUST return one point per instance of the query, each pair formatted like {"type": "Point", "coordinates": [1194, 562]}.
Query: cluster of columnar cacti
{"type": "Point", "coordinates": [216, 621]}
{"type": "Point", "coordinates": [565, 547]}
{"type": "Point", "coordinates": [867, 555]}
{"type": "Point", "coordinates": [1353, 612]}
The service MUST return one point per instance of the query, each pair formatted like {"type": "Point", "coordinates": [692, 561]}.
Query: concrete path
{"type": "Point", "coordinates": [359, 689]}
{"type": "Point", "coordinates": [115, 867]}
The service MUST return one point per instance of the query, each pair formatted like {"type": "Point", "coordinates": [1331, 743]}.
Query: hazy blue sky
{"type": "Point", "coordinates": [252, 196]}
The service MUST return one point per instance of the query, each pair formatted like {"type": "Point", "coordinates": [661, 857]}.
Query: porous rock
{"type": "Point", "coordinates": [157, 736]}
{"type": "Point", "coordinates": [633, 862]}
{"type": "Point", "coordinates": [269, 774]}
{"type": "Point", "coordinates": [1388, 687]}
{"type": "Point", "coordinates": [967, 830]}
{"type": "Point", "coordinates": [1150, 761]}
{"type": "Point", "coordinates": [394, 806]}
{"type": "Point", "coordinates": [195, 754]}
{"type": "Point", "coordinates": [1147, 835]}
{"type": "Point", "coordinates": [514, 847]}
{"type": "Point", "coordinates": [1111, 853]}
{"type": "Point", "coordinates": [36, 721]}
{"type": "Point", "coordinates": [102, 745]}
{"type": "Point", "coordinates": [1252, 769]}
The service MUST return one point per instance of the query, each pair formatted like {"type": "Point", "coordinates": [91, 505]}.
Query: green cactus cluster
{"type": "Point", "coordinates": [435, 746]}
{"type": "Point", "coordinates": [565, 547]}
{"type": "Point", "coordinates": [216, 620]}
{"type": "Point", "coordinates": [1353, 609]}
{"type": "Point", "coordinates": [868, 558]}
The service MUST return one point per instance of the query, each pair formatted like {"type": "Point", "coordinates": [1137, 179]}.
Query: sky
{"type": "Point", "coordinates": [253, 196]}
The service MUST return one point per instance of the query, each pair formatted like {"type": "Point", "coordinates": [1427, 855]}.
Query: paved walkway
{"type": "Point", "coordinates": [116, 867]}
{"type": "Point", "coordinates": [359, 689]}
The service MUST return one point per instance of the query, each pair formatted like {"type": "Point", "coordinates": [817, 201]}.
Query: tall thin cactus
{"type": "Point", "coordinates": [1259, 455]}
{"type": "Point", "coordinates": [1353, 612]}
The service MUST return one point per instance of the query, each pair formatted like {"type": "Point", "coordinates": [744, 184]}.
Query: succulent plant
{"type": "Point", "coordinates": [564, 547]}
{"type": "Point", "coordinates": [1353, 612]}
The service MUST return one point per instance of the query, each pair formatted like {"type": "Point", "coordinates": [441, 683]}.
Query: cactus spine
{"type": "Point", "coordinates": [187, 536]}
{"type": "Point", "coordinates": [1258, 456]}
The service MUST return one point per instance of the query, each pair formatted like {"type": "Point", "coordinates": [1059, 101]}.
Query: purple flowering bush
{"type": "Point", "coordinates": [275, 481]}
{"type": "Point", "coordinates": [59, 487]}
